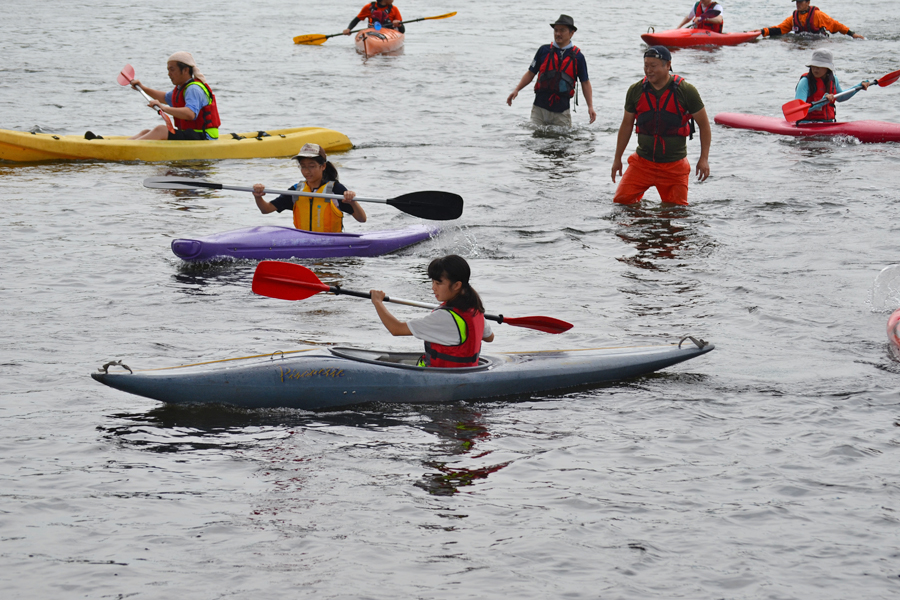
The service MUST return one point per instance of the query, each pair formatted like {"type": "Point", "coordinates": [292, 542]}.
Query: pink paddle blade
{"type": "Point", "coordinates": [126, 75]}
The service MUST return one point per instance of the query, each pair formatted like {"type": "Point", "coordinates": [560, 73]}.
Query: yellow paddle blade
{"type": "Point", "coordinates": [314, 39]}
{"type": "Point", "coordinates": [447, 16]}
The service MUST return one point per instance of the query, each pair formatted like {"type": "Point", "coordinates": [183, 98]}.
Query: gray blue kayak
{"type": "Point", "coordinates": [323, 378]}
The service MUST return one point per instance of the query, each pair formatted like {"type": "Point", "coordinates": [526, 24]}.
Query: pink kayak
{"type": "Point", "coordinates": [683, 38]}
{"type": "Point", "coordinates": [893, 333]}
{"type": "Point", "coordinates": [868, 132]}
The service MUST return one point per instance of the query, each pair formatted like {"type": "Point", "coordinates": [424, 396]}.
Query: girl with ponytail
{"type": "Point", "coordinates": [314, 214]}
{"type": "Point", "coordinates": [452, 333]}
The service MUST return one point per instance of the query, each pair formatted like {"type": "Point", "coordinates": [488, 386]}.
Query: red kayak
{"type": "Point", "coordinates": [867, 132]}
{"type": "Point", "coordinates": [683, 38]}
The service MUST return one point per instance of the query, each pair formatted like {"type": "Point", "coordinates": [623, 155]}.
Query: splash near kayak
{"type": "Point", "coordinates": [867, 132]}
{"type": "Point", "coordinates": [270, 242]}
{"type": "Point", "coordinates": [370, 42]}
{"type": "Point", "coordinates": [893, 333]}
{"type": "Point", "coordinates": [22, 146]}
{"type": "Point", "coordinates": [685, 38]}
{"type": "Point", "coordinates": [334, 377]}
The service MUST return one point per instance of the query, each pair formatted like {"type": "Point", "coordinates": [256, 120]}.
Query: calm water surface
{"type": "Point", "coordinates": [766, 469]}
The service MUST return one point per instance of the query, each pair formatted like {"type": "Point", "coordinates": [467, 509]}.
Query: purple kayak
{"type": "Point", "coordinates": [270, 242]}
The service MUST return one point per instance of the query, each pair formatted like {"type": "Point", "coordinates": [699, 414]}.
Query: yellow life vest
{"type": "Point", "coordinates": [317, 214]}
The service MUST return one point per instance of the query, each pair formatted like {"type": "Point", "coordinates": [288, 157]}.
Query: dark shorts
{"type": "Point", "coordinates": [187, 134]}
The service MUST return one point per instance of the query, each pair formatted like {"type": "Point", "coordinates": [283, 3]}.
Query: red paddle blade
{"type": "Point", "coordinates": [795, 110]}
{"type": "Point", "coordinates": [168, 121]}
{"type": "Point", "coordinates": [545, 324]}
{"type": "Point", "coordinates": [126, 75]}
{"type": "Point", "coordinates": [286, 281]}
{"type": "Point", "coordinates": [889, 79]}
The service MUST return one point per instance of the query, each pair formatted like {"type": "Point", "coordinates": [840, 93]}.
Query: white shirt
{"type": "Point", "coordinates": [715, 5]}
{"type": "Point", "coordinates": [440, 328]}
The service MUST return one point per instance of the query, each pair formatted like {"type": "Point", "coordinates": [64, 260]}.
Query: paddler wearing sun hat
{"type": "Point", "coordinates": [821, 82]}
{"type": "Point", "coordinates": [808, 19]}
{"type": "Point", "coordinates": [557, 66]}
{"type": "Point", "coordinates": [191, 102]}
{"type": "Point", "coordinates": [320, 177]}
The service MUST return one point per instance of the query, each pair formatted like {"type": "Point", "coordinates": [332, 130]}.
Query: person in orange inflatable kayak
{"type": "Point", "coordinates": [808, 19]}
{"type": "Point", "coordinates": [662, 108]}
{"type": "Point", "coordinates": [382, 12]}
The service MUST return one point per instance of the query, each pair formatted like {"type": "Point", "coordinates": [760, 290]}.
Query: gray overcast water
{"type": "Point", "coordinates": [764, 470]}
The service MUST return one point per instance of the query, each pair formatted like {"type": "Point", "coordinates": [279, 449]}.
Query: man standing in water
{"type": "Point", "coordinates": [809, 19]}
{"type": "Point", "coordinates": [664, 107]}
{"type": "Point", "coordinates": [557, 66]}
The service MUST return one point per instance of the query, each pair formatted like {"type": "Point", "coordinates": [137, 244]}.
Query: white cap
{"type": "Point", "coordinates": [822, 58]}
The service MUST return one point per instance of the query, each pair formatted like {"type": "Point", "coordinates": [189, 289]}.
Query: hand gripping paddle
{"type": "Point", "coordinates": [126, 76]}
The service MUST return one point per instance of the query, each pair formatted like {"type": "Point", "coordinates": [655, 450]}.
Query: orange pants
{"type": "Point", "coordinates": [669, 179]}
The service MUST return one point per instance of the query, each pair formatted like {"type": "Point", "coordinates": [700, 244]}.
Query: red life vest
{"type": "Point", "coordinates": [698, 11]}
{"type": "Point", "coordinates": [471, 329]}
{"type": "Point", "coordinates": [663, 116]}
{"type": "Point", "coordinates": [808, 26]}
{"type": "Point", "coordinates": [557, 75]}
{"type": "Point", "coordinates": [381, 15]}
{"type": "Point", "coordinates": [817, 90]}
{"type": "Point", "coordinates": [208, 119]}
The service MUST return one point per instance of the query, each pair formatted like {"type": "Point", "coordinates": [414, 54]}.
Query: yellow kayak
{"type": "Point", "coordinates": [22, 146]}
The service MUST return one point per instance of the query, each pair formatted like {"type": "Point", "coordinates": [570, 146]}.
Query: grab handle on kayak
{"type": "Point", "coordinates": [651, 29]}
{"type": "Point", "coordinates": [701, 343]}
{"type": "Point", "coordinates": [116, 363]}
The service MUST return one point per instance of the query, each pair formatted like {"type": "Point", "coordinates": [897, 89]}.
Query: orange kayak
{"type": "Point", "coordinates": [375, 41]}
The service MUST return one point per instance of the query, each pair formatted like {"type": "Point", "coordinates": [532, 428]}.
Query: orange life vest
{"type": "Point", "coordinates": [557, 74]}
{"type": "Point", "coordinates": [698, 12]}
{"type": "Point", "coordinates": [317, 214]}
{"type": "Point", "coordinates": [208, 119]}
{"type": "Point", "coordinates": [807, 27]}
{"type": "Point", "coordinates": [662, 116]}
{"type": "Point", "coordinates": [471, 329]}
{"type": "Point", "coordinates": [817, 90]}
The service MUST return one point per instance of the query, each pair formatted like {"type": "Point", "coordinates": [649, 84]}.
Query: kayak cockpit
{"type": "Point", "coordinates": [403, 360]}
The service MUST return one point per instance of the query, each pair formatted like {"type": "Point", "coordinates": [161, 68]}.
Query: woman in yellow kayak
{"type": "Point", "coordinates": [320, 177]}
{"type": "Point", "coordinates": [453, 332]}
{"type": "Point", "coordinates": [192, 103]}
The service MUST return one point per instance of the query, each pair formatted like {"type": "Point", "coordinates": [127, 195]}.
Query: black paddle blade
{"type": "Point", "coordinates": [179, 183]}
{"type": "Point", "coordinates": [435, 206]}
